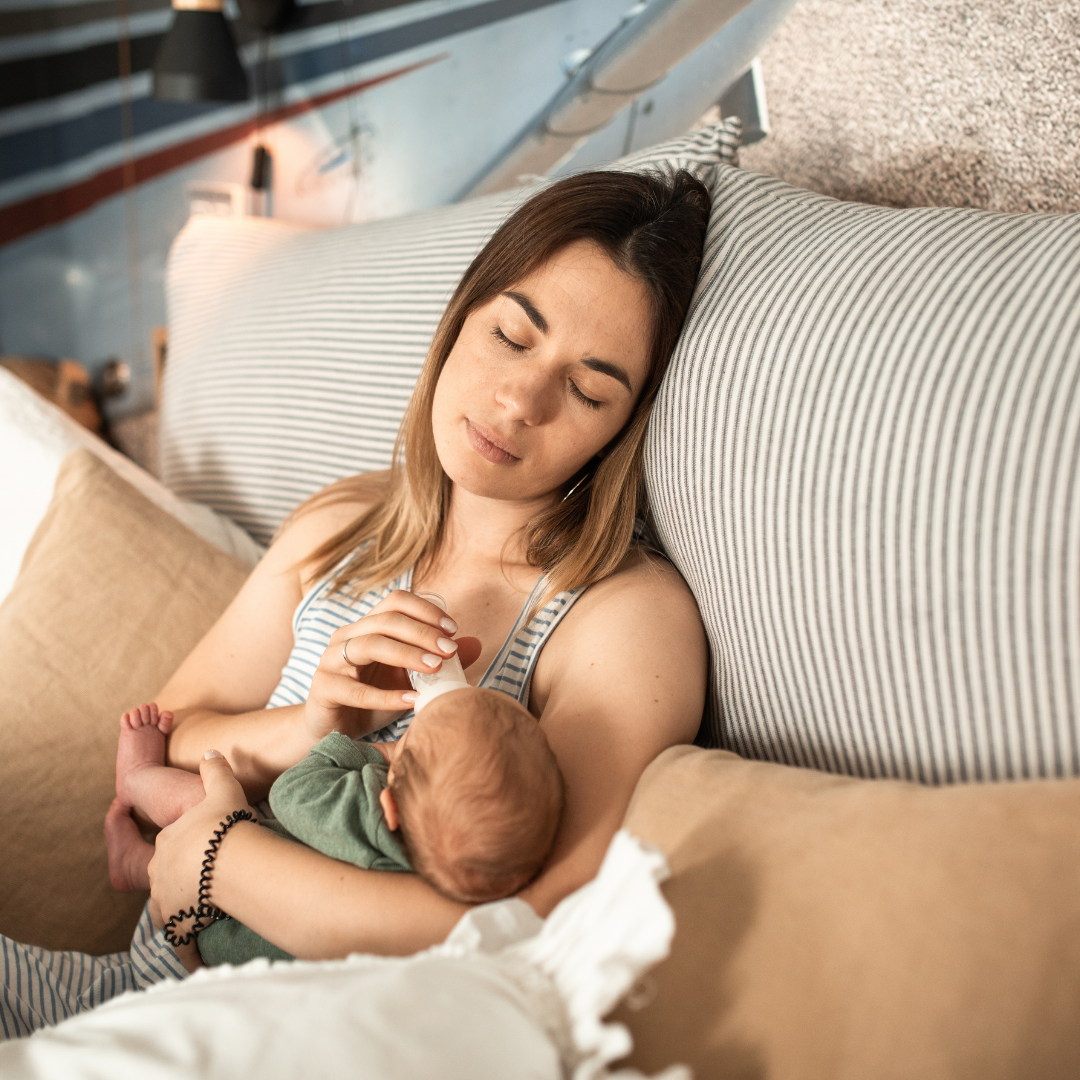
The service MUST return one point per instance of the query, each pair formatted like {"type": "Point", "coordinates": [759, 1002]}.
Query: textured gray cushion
{"type": "Point", "coordinates": [292, 353]}
{"type": "Point", "coordinates": [864, 460]}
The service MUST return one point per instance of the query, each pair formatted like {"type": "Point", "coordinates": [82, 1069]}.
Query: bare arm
{"type": "Point", "coordinates": [219, 692]}
{"type": "Point", "coordinates": [622, 679]}
{"type": "Point", "coordinates": [330, 908]}
{"type": "Point", "coordinates": [304, 902]}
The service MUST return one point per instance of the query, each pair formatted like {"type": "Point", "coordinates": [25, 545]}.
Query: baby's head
{"type": "Point", "coordinates": [476, 793]}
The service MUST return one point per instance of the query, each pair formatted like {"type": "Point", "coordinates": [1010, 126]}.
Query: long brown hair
{"type": "Point", "coordinates": [653, 228]}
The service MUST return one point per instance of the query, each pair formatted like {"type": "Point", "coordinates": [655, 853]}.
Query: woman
{"type": "Point", "coordinates": [515, 494]}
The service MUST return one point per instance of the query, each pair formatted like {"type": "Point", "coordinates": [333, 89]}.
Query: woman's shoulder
{"type": "Point", "coordinates": [645, 590]}
{"type": "Point", "coordinates": [639, 621]}
{"type": "Point", "coordinates": [644, 579]}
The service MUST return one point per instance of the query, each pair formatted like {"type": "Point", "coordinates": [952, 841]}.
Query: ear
{"type": "Point", "coordinates": [389, 808]}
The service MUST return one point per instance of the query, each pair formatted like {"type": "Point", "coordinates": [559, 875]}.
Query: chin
{"type": "Point", "coordinates": [471, 472]}
{"type": "Point", "coordinates": [488, 485]}
{"type": "Point", "coordinates": [467, 469]}
{"type": "Point", "coordinates": [486, 481]}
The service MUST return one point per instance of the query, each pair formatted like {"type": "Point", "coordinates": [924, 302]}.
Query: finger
{"type": "Point", "coordinates": [401, 627]}
{"type": "Point", "coordinates": [368, 649]}
{"type": "Point", "coordinates": [385, 677]}
{"type": "Point", "coordinates": [402, 603]}
{"type": "Point", "coordinates": [218, 779]}
{"type": "Point", "coordinates": [329, 690]}
{"type": "Point", "coordinates": [418, 608]}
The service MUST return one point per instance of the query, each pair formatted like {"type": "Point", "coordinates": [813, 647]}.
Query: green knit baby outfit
{"type": "Point", "coordinates": [329, 801]}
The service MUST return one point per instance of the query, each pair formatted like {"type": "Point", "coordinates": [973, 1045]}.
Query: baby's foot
{"type": "Point", "coordinates": [129, 853]}
{"type": "Point", "coordinates": [142, 743]}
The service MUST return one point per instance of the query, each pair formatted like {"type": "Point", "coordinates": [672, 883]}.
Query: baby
{"type": "Point", "coordinates": [470, 797]}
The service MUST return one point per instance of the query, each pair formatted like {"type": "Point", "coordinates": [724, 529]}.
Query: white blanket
{"type": "Point", "coordinates": [507, 996]}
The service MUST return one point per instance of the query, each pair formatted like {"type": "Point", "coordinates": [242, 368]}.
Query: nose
{"type": "Point", "coordinates": [526, 394]}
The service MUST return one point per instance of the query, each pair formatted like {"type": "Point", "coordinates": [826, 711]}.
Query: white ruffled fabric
{"type": "Point", "coordinates": [575, 967]}
{"type": "Point", "coordinates": [506, 996]}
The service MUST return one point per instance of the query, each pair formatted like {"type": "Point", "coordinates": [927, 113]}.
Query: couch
{"type": "Point", "coordinates": [865, 461]}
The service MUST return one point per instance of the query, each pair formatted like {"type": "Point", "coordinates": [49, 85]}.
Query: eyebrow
{"type": "Point", "coordinates": [604, 367]}
{"type": "Point", "coordinates": [529, 308]}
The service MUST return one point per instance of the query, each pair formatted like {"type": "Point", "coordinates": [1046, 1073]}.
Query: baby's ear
{"type": "Point", "coordinates": [389, 808]}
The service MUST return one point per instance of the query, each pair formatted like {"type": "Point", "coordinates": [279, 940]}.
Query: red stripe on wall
{"type": "Point", "coordinates": [41, 211]}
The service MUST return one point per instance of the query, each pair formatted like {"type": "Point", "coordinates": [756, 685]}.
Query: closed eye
{"type": "Point", "coordinates": [502, 339]}
{"type": "Point", "coordinates": [576, 391]}
{"type": "Point", "coordinates": [499, 336]}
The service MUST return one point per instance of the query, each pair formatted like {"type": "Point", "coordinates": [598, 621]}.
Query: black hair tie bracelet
{"type": "Point", "coordinates": [204, 913]}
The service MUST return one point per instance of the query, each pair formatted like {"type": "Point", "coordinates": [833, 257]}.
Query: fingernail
{"type": "Point", "coordinates": [431, 659]}
{"type": "Point", "coordinates": [448, 625]}
{"type": "Point", "coordinates": [212, 754]}
{"type": "Point", "coordinates": [446, 644]}
{"type": "Point", "coordinates": [409, 696]}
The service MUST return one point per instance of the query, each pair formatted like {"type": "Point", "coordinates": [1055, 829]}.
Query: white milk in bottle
{"type": "Point", "coordinates": [450, 675]}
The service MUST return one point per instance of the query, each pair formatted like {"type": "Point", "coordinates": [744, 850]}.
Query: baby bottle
{"type": "Point", "coordinates": [449, 676]}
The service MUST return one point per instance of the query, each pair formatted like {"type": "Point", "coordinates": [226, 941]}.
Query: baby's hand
{"type": "Point", "coordinates": [147, 716]}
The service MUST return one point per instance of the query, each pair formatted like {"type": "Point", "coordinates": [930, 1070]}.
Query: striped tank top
{"type": "Point", "coordinates": [325, 609]}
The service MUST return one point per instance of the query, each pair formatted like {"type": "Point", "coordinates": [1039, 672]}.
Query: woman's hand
{"type": "Point", "coordinates": [361, 682]}
{"type": "Point", "coordinates": [181, 847]}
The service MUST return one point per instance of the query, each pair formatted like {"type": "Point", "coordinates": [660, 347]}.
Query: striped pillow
{"type": "Point", "coordinates": [865, 460]}
{"type": "Point", "coordinates": [292, 353]}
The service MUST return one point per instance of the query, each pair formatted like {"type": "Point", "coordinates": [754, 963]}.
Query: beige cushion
{"type": "Point", "coordinates": [838, 928]}
{"type": "Point", "coordinates": [112, 594]}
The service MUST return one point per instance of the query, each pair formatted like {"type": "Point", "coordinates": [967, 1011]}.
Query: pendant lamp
{"type": "Point", "coordinates": [197, 60]}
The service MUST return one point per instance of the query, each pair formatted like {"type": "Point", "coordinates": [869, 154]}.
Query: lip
{"type": "Point", "coordinates": [488, 444]}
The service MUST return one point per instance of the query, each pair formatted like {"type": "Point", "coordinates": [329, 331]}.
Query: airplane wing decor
{"type": "Point", "coordinates": [651, 40]}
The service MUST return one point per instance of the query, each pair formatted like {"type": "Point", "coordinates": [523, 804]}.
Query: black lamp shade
{"type": "Point", "coordinates": [197, 61]}
{"type": "Point", "coordinates": [267, 14]}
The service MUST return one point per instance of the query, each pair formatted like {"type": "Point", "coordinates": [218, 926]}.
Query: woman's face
{"type": "Point", "coordinates": [543, 377]}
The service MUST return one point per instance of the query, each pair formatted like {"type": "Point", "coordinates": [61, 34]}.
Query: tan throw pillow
{"type": "Point", "coordinates": [113, 593]}
{"type": "Point", "coordinates": [837, 928]}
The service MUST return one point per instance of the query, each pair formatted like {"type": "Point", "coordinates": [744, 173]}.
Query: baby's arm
{"type": "Point", "coordinates": [331, 804]}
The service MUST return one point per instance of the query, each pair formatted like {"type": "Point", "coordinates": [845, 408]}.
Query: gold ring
{"type": "Point", "coordinates": [345, 655]}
